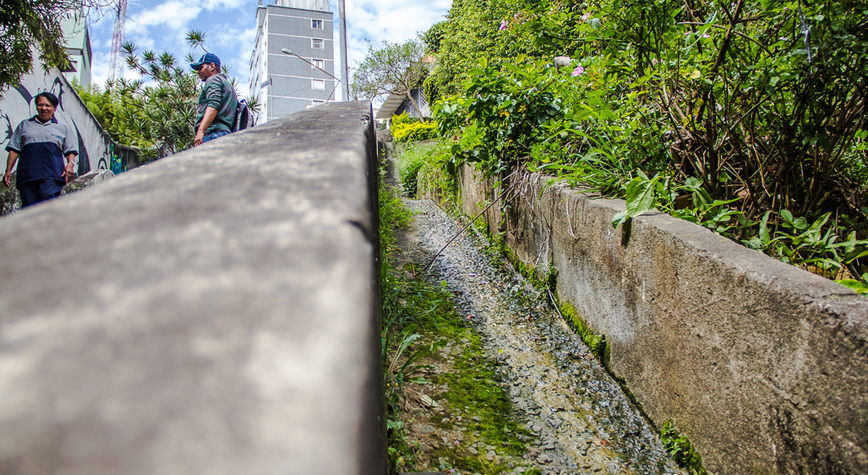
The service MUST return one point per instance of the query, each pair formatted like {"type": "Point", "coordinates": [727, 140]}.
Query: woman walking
{"type": "Point", "coordinates": [41, 143]}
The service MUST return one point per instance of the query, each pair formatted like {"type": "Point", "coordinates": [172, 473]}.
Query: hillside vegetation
{"type": "Point", "coordinates": [747, 117]}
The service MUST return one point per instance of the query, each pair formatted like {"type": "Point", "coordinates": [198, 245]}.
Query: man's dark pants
{"type": "Point", "coordinates": [214, 135]}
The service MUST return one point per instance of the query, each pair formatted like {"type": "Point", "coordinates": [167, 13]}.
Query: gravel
{"type": "Point", "coordinates": [579, 415]}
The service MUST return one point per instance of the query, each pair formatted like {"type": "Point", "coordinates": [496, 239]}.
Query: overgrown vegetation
{"type": "Point", "coordinates": [680, 448]}
{"type": "Point", "coordinates": [430, 166]}
{"type": "Point", "coordinates": [744, 117]}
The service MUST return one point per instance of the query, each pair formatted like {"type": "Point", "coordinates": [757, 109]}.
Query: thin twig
{"type": "Point", "coordinates": [425, 269]}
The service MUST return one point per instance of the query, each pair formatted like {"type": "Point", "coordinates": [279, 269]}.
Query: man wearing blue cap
{"type": "Point", "coordinates": [217, 101]}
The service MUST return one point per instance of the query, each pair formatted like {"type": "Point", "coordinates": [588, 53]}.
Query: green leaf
{"type": "Point", "coordinates": [640, 195]}
{"type": "Point", "coordinates": [854, 285]}
{"type": "Point", "coordinates": [764, 235]}
{"type": "Point", "coordinates": [619, 219]}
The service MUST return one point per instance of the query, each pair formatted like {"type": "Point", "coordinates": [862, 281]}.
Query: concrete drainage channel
{"type": "Point", "coordinates": [578, 418]}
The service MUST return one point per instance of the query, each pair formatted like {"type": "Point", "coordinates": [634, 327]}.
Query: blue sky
{"type": "Point", "coordinates": [229, 25]}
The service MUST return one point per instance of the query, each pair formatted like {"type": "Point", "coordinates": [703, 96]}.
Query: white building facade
{"type": "Point", "coordinates": [77, 39]}
{"type": "Point", "coordinates": [288, 83]}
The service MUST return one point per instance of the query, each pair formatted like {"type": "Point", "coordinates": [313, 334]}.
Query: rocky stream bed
{"type": "Point", "coordinates": [571, 416]}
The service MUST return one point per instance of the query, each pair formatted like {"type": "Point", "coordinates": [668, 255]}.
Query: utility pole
{"type": "Point", "coordinates": [345, 70]}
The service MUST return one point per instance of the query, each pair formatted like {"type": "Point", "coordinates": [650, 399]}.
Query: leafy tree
{"type": "Point", "coordinates": [472, 31]}
{"type": "Point", "coordinates": [434, 36]}
{"type": "Point", "coordinates": [163, 110]}
{"type": "Point", "coordinates": [28, 23]}
{"type": "Point", "coordinates": [392, 68]}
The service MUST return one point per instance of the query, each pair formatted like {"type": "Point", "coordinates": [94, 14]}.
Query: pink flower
{"type": "Point", "coordinates": [586, 16]}
{"type": "Point", "coordinates": [578, 71]}
{"type": "Point", "coordinates": [504, 24]}
{"type": "Point", "coordinates": [703, 35]}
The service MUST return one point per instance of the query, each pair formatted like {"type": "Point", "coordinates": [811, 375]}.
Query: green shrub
{"type": "Point", "coordinates": [410, 160]}
{"type": "Point", "coordinates": [743, 109]}
{"type": "Point", "coordinates": [423, 163]}
{"type": "Point", "coordinates": [406, 129]}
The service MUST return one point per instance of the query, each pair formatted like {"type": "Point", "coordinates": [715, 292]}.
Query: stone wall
{"type": "Point", "coordinates": [214, 312]}
{"type": "Point", "coordinates": [762, 365]}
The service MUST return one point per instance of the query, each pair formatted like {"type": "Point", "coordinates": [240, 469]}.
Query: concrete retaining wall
{"type": "Point", "coordinates": [215, 312]}
{"type": "Point", "coordinates": [764, 366]}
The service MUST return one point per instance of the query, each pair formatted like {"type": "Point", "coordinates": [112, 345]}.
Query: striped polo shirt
{"type": "Point", "coordinates": [41, 148]}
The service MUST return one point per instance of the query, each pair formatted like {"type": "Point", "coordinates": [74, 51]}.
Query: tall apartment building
{"type": "Point", "coordinates": [288, 83]}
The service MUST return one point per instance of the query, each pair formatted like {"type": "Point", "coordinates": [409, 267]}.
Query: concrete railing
{"type": "Point", "coordinates": [215, 312]}
{"type": "Point", "coordinates": [763, 365]}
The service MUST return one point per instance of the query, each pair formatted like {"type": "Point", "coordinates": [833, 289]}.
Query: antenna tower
{"type": "Point", "coordinates": [117, 39]}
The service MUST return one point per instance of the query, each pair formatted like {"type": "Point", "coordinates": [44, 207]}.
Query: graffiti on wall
{"type": "Point", "coordinates": [115, 162]}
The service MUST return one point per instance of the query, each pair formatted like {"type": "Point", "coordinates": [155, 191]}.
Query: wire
{"type": "Point", "coordinates": [501, 195]}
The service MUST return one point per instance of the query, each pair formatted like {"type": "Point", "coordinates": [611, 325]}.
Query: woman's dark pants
{"type": "Point", "coordinates": [33, 192]}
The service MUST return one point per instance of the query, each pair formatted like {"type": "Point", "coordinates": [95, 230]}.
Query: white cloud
{"type": "Point", "coordinates": [224, 4]}
{"type": "Point", "coordinates": [239, 59]}
{"type": "Point", "coordinates": [99, 69]}
{"type": "Point", "coordinates": [174, 14]}
{"type": "Point", "coordinates": [100, 66]}
{"type": "Point", "coordinates": [394, 20]}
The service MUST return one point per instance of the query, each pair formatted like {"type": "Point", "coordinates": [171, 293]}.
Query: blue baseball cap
{"type": "Point", "coordinates": [206, 59]}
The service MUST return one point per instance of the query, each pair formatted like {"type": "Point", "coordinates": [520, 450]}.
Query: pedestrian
{"type": "Point", "coordinates": [39, 145]}
{"type": "Point", "coordinates": [217, 101]}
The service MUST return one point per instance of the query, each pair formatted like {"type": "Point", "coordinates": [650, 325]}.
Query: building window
{"type": "Point", "coordinates": [317, 84]}
{"type": "Point", "coordinates": [317, 43]}
{"type": "Point", "coordinates": [317, 63]}
{"type": "Point", "coordinates": [316, 24]}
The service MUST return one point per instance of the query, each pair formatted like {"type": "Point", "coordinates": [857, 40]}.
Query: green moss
{"type": "Point", "coordinates": [682, 451]}
{"type": "Point", "coordinates": [474, 383]}
{"type": "Point", "coordinates": [474, 391]}
{"type": "Point", "coordinates": [596, 343]}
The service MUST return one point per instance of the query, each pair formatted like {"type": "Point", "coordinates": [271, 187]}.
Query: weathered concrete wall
{"type": "Point", "coordinates": [215, 312]}
{"type": "Point", "coordinates": [764, 366]}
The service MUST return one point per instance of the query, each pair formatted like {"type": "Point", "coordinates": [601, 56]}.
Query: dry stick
{"type": "Point", "coordinates": [465, 228]}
